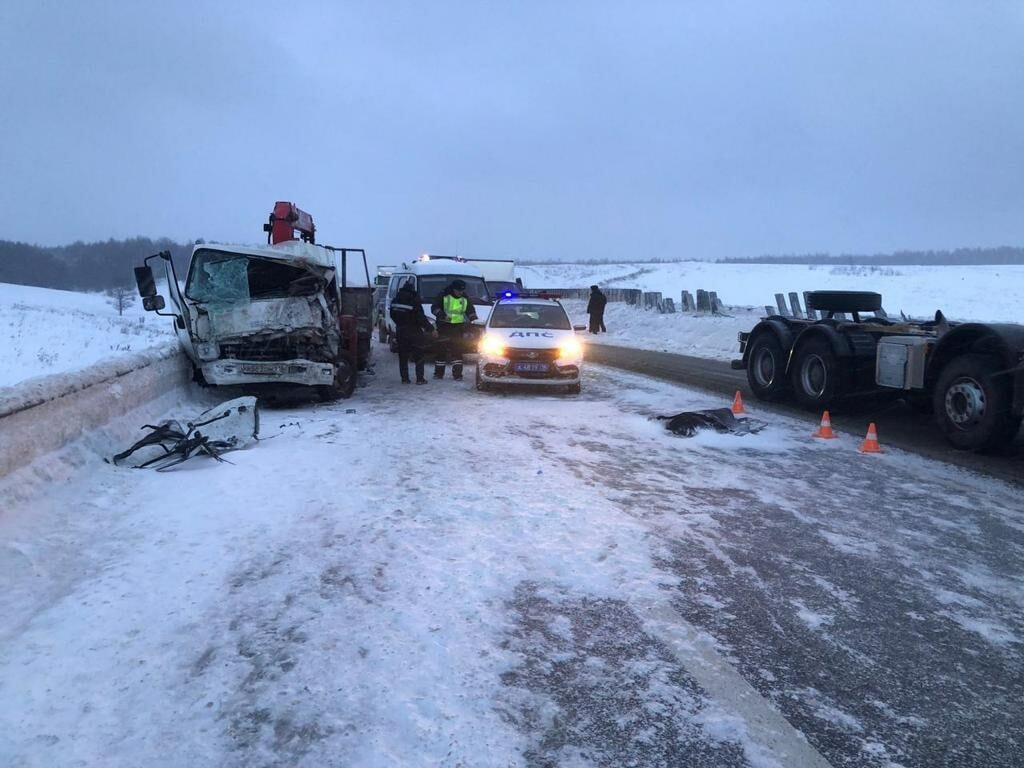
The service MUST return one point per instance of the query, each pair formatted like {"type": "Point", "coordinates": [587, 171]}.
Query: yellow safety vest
{"type": "Point", "coordinates": [455, 308]}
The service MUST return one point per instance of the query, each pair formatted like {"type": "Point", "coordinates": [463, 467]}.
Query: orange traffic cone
{"type": "Point", "coordinates": [825, 430]}
{"type": "Point", "coordinates": [737, 405]}
{"type": "Point", "coordinates": [870, 444]}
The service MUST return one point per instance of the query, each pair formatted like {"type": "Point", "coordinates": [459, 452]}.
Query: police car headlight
{"type": "Point", "coordinates": [570, 349]}
{"type": "Point", "coordinates": [208, 350]}
{"type": "Point", "coordinates": [492, 346]}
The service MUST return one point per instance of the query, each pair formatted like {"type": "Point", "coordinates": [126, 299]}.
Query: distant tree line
{"type": "Point", "coordinates": [84, 266]}
{"type": "Point", "coordinates": [960, 256]}
{"type": "Point", "coordinates": [606, 260]}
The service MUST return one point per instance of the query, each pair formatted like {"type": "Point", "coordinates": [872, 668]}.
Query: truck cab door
{"type": "Point", "coordinates": [181, 312]}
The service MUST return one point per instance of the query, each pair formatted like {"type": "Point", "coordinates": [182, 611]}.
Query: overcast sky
{"type": "Point", "coordinates": [544, 130]}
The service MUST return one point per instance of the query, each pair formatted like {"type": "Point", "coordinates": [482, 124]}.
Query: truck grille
{"type": "Point", "coordinates": [271, 349]}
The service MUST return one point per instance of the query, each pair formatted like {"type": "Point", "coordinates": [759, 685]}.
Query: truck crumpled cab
{"type": "Point", "coordinates": [251, 307]}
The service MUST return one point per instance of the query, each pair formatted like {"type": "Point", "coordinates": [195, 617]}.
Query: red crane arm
{"type": "Point", "coordinates": [285, 220]}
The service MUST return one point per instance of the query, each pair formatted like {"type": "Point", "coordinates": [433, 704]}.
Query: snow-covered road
{"type": "Point", "coordinates": [435, 576]}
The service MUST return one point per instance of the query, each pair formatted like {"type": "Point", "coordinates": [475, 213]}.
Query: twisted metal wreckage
{"type": "Point", "coordinates": [231, 425]}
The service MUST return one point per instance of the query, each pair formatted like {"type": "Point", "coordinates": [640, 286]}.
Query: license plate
{"type": "Point", "coordinates": [530, 367]}
{"type": "Point", "coordinates": [265, 370]}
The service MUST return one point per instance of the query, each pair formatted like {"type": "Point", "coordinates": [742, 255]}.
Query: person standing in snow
{"type": "Point", "coordinates": [454, 312]}
{"type": "Point", "coordinates": [595, 308]}
{"type": "Point", "coordinates": [412, 329]}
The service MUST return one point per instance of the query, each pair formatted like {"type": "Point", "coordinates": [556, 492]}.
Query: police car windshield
{"type": "Point", "coordinates": [432, 286]}
{"type": "Point", "coordinates": [548, 316]}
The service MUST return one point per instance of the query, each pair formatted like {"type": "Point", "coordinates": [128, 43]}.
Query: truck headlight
{"type": "Point", "coordinates": [208, 350]}
{"type": "Point", "coordinates": [570, 349]}
{"type": "Point", "coordinates": [492, 345]}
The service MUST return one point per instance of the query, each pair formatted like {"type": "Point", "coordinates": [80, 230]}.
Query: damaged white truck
{"type": "Point", "coordinates": [288, 314]}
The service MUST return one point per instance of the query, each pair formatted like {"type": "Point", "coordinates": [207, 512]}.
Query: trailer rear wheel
{"type": "Point", "coordinates": [766, 368]}
{"type": "Point", "coordinates": [973, 407]}
{"type": "Point", "coordinates": [816, 375]}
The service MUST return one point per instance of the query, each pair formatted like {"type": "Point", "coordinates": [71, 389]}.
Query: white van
{"type": "Point", "coordinates": [431, 275]}
{"type": "Point", "coordinates": [500, 276]}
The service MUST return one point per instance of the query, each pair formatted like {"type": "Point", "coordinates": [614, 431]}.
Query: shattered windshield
{"type": "Point", "coordinates": [217, 277]}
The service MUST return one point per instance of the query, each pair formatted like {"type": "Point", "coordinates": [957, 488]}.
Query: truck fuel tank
{"type": "Point", "coordinates": [901, 360]}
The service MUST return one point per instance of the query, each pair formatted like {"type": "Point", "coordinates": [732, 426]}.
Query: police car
{"type": "Point", "coordinates": [529, 341]}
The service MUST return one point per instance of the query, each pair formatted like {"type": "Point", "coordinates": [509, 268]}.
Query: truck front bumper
{"type": "Point", "coordinates": [225, 372]}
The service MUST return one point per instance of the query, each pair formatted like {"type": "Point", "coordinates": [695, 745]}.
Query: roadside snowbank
{"type": "Point", "coordinates": [45, 331]}
{"type": "Point", "coordinates": [710, 336]}
{"type": "Point", "coordinates": [80, 416]}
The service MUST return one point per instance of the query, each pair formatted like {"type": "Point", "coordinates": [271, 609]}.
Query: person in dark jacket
{"type": "Point", "coordinates": [412, 329]}
{"type": "Point", "coordinates": [454, 312]}
{"type": "Point", "coordinates": [595, 308]}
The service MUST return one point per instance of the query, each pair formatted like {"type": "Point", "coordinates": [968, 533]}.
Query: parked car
{"type": "Point", "coordinates": [529, 341]}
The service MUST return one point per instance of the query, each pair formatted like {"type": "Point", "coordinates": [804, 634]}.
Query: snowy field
{"type": "Point", "coordinates": [985, 293]}
{"type": "Point", "coordinates": [370, 586]}
{"type": "Point", "coordinates": [978, 293]}
{"type": "Point", "coordinates": [45, 331]}
{"type": "Point", "coordinates": [697, 335]}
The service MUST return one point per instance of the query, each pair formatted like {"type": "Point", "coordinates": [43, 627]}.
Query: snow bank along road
{"type": "Point", "coordinates": [434, 576]}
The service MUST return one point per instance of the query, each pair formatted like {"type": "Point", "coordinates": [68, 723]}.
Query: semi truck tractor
{"type": "Point", "coordinates": [969, 375]}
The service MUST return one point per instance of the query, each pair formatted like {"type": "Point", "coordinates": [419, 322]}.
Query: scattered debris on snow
{"type": "Point", "coordinates": [231, 425]}
{"type": "Point", "coordinates": [689, 423]}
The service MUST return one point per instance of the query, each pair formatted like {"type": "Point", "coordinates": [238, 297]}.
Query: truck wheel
{"type": "Point", "coordinates": [816, 376]}
{"type": "Point", "coordinates": [972, 407]}
{"type": "Point", "coordinates": [344, 379]}
{"type": "Point", "coordinates": [766, 368]}
{"type": "Point", "coordinates": [573, 389]}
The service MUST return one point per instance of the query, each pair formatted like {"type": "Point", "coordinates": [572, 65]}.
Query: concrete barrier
{"type": "Point", "coordinates": [45, 414]}
{"type": "Point", "coordinates": [627, 295]}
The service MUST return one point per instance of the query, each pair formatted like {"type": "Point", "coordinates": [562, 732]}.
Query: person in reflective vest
{"type": "Point", "coordinates": [412, 330]}
{"type": "Point", "coordinates": [454, 312]}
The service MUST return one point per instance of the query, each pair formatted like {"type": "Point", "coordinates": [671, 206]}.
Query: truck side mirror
{"type": "Point", "coordinates": [147, 285]}
{"type": "Point", "coordinates": [153, 303]}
